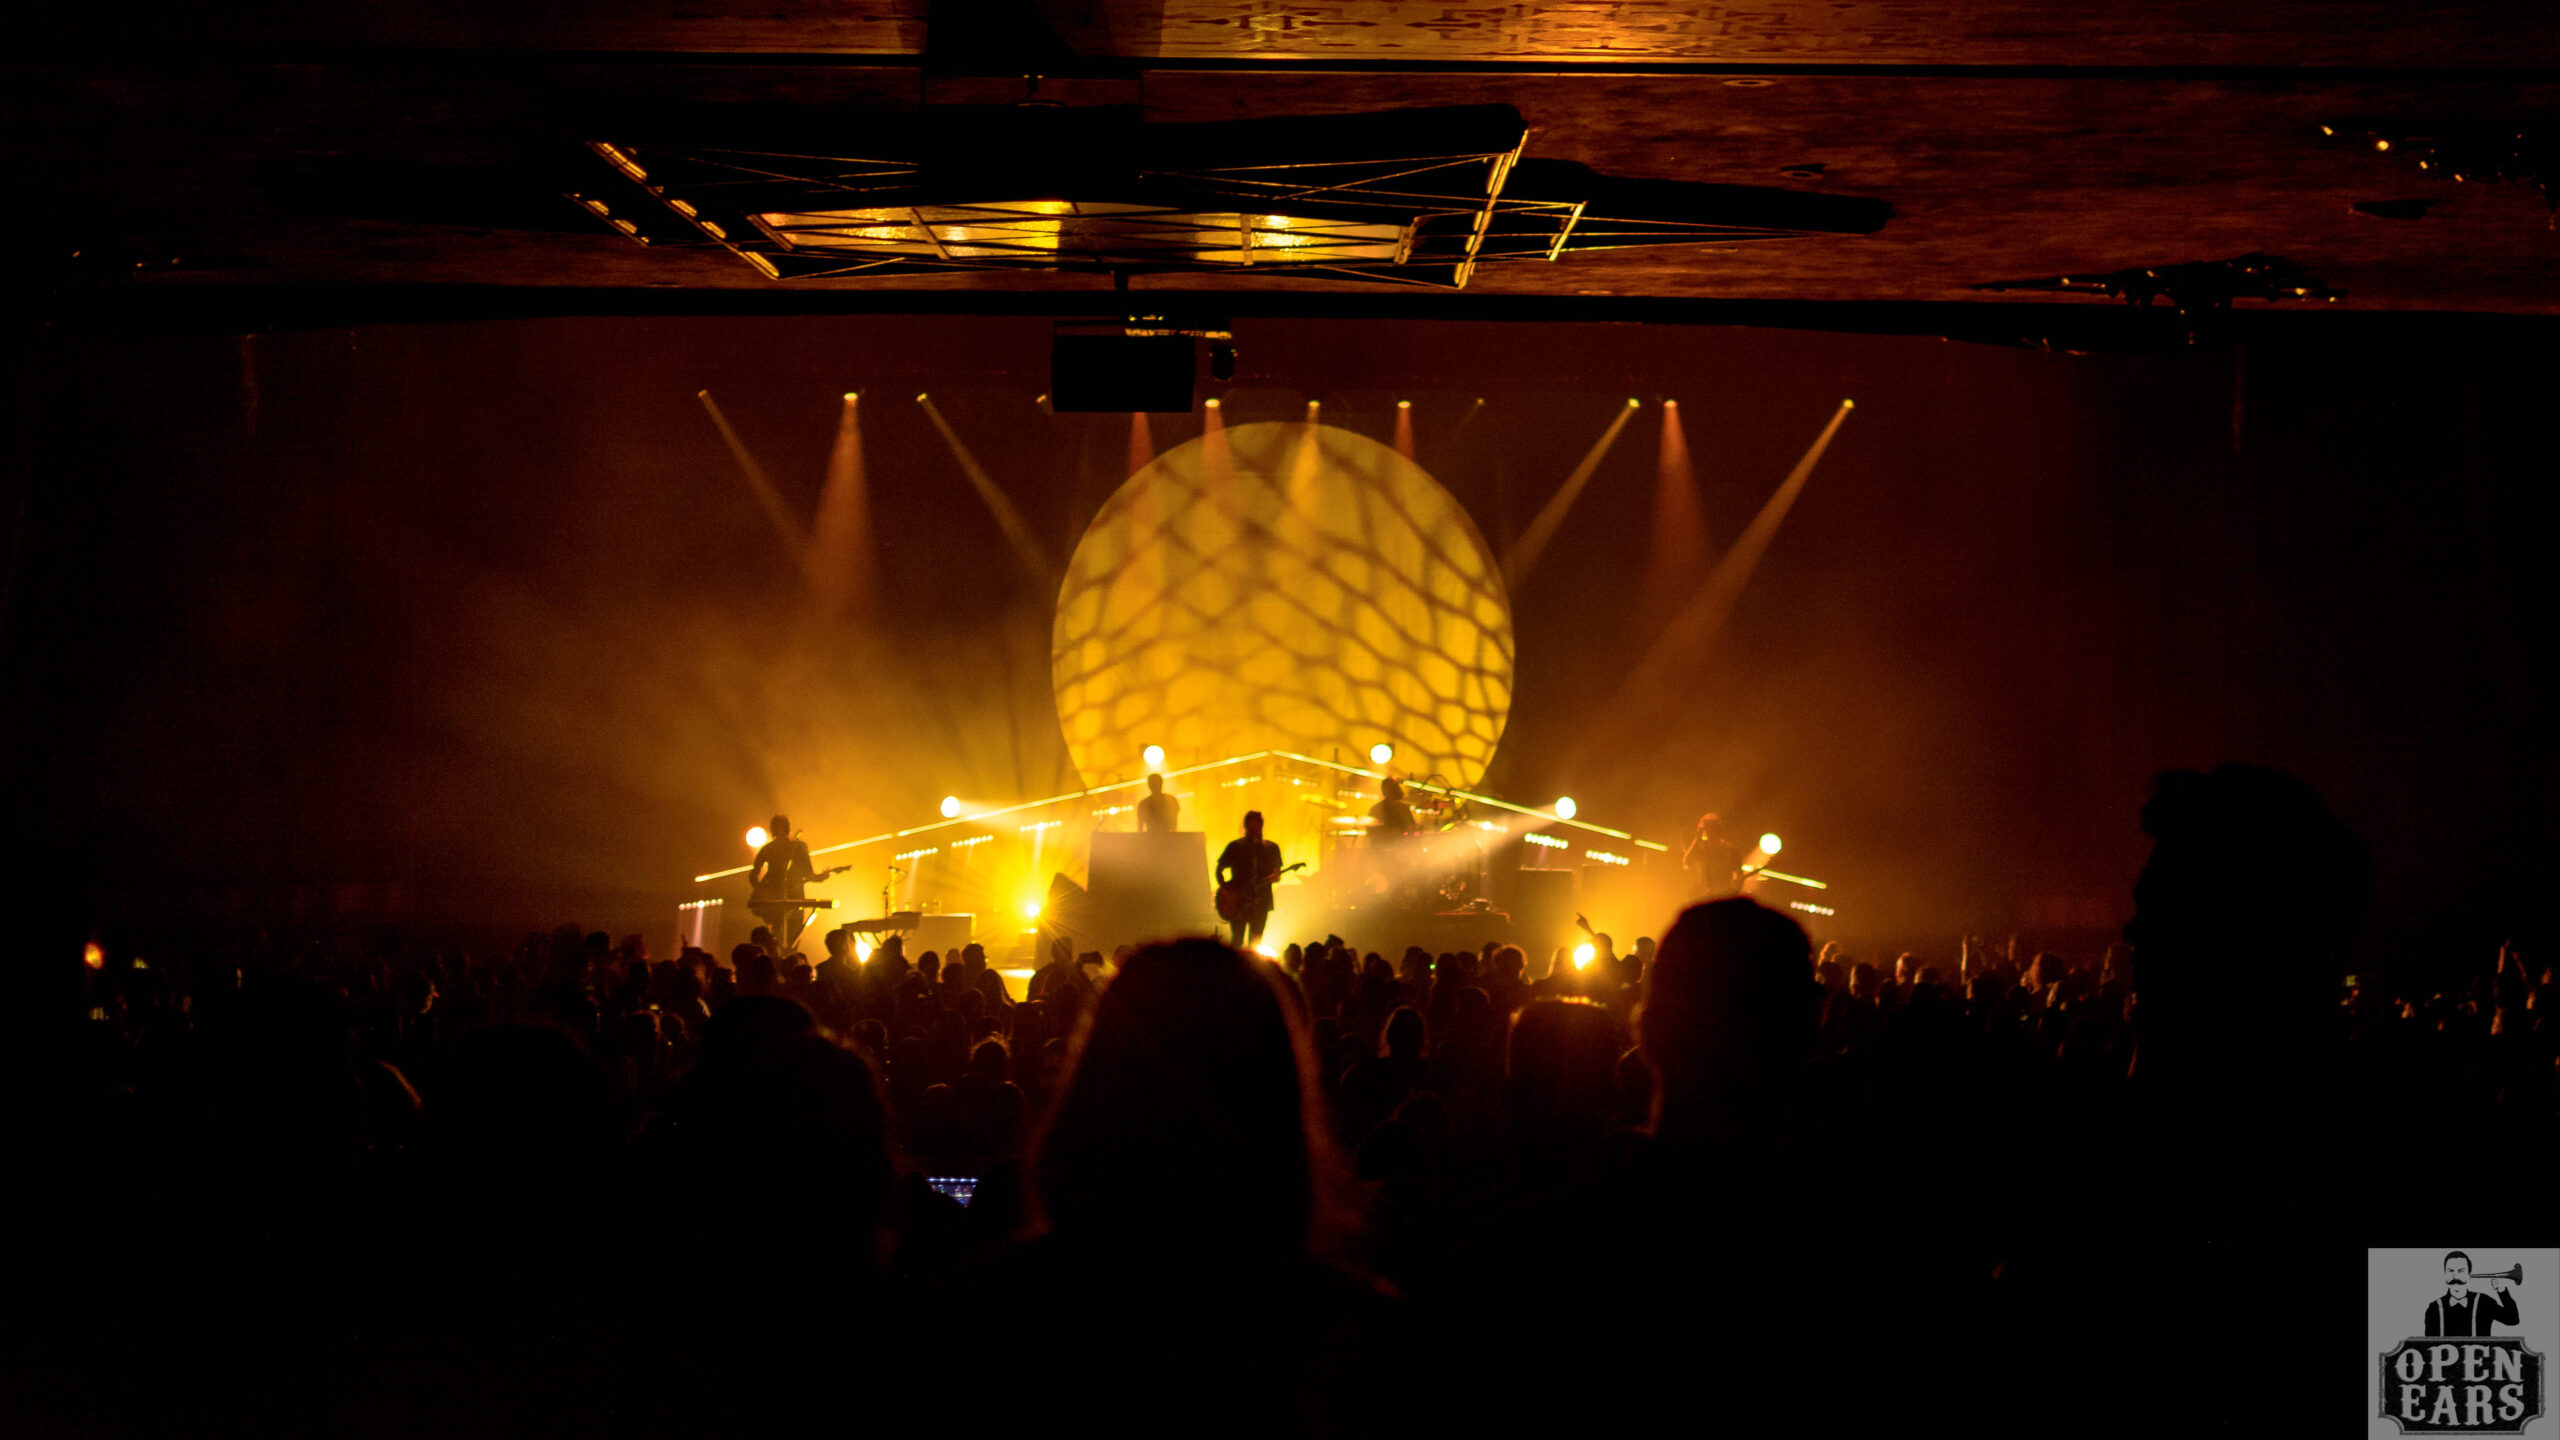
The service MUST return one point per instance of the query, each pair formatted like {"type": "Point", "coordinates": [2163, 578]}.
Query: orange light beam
{"type": "Point", "coordinates": [1466, 420]}
{"type": "Point", "coordinates": [1217, 460]}
{"type": "Point", "coordinates": [786, 526]}
{"type": "Point", "coordinates": [1142, 442]}
{"type": "Point", "coordinates": [1404, 428]}
{"type": "Point", "coordinates": [1703, 615]}
{"type": "Point", "coordinates": [1532, 543]}
{"type": "Point", "coordinates": [1681, 547]}
{"type": "Point", "coordinates": [1026, 546]}
{"type": "Point", "coordinates": [841, 563]}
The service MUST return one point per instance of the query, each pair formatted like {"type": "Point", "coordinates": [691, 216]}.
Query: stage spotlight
{"type": "Point", "coordinates": [1213, 402]}
{"type": "Point", "coordinates": [853, 397]}
{"type": "Point", "coordinates": [1222, 362]}
{"type": "Point", "coordinates": [1381, 753]}
{"type": "Point", "coordinates": [1404, 404]}
{"type": "Point", "coordinates": [921, 396]}
{"type": "Point", "coordinates": [94, 955]}
{"type": "Point", "coordinates": [950, 807]}
{"type": "Point", "coordinates": [1633, 402]}
{"type": "Point", "coordinates": [1769, 844]}
{"type": "Point", "coordinates": [1312, 407]}
{"type": "Point", "coordinates": [1582, 954]}
{"type": "Point", "coordinates": [756, 837]}
{"type": "Point", "coordinates": [1031, 908]}
{"type": "Point", "coordinates": [1565, 807]}
{"type": "Point", "coordinates": [1154, 756]}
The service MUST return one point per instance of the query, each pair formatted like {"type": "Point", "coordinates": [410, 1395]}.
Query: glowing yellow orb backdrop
{"type": "Point", "coordinates": [1282, 586]}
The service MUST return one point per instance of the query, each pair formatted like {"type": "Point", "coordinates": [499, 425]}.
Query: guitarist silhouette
{"type": "Point", "coordinates": [781, 873]}
{"type": "Point", "coordinates": [1245, 871]}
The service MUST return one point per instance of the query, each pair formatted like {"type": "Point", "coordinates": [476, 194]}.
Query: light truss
{"type": "Point", "coordinates": [1412, 197]}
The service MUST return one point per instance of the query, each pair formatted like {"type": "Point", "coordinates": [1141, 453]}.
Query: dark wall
{"type": "Point", "coordinates": [447, 620]}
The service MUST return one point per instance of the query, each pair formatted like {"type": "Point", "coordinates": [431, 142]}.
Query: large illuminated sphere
{"type": "Point", "coordinates": [1283, 586]}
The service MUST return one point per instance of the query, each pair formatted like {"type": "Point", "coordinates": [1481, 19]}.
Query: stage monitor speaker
{"type": "Point", "coordinates": [1443, 932]}
{"type": "Point", "coordinates": [1616, 898]}
{"type": "Point", "coordinates": [1149, 886]}
{"type": "Point", "coordinates": [1541, 903]}
{"type": "Point", "coordinates": [943, 934]}
{"type": "Point", "coordinates": [1067, 914]}
{"type": "Point", "coordinates": [1121, 372]}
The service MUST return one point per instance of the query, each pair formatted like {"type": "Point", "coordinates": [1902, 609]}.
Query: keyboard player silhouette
{"type": "Point", "coordinates": [780, 879]}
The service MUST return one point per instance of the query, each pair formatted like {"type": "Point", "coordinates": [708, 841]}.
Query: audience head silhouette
{"type": "Point", "coordinates": [1563, 1078]}
{"type": "Point", "coordinates": [1187, 1109]}
{"type": "Point", "coordinates": [2244, 918]}
{"type": "Point", "coordinates": [1732, 1003]}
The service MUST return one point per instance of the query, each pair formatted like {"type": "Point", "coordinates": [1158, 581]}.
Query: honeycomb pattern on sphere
{"type": "Point", "coordinates": [1282, 586]}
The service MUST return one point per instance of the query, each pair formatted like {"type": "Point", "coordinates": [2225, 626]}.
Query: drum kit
{"type": "Point", "coordinates": [1376, 866]}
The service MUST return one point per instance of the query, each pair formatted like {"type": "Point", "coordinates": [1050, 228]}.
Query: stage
{"type": "Point", "coordinates": [1477, 868]}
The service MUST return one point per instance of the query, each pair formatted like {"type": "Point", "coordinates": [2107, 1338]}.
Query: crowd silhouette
{"type": "Point", "coordinates": [581, 1189]}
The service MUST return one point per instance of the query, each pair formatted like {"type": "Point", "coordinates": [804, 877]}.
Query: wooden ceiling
{"type": "Point", "coordinates": [405, 145]}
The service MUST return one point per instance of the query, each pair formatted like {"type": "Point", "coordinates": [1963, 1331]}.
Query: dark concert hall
{"type": "Point", "coordinates": [1277, 717]}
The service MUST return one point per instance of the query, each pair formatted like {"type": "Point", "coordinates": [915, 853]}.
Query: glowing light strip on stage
{"type": "Point", "coordinates": [1547, 817]}
{"type": "Point", "coordinates": [1790, 879]}
{"type": "Point", "coordinates": [1544, 817]}
{"type": "Point", "coordinates": [985, 815]}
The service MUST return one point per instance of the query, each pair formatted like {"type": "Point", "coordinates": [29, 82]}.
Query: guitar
{"type": "Point", "coordinates": [1231, 896]}
{"type": "Point", "coordinates": [759, 898]}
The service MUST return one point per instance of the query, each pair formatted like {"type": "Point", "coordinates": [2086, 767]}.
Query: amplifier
{"type": "Point", "coordinates": [943, 934]}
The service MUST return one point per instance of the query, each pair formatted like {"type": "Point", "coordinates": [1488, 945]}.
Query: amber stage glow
{"type": "Point", "coordinates": [1315, 582]}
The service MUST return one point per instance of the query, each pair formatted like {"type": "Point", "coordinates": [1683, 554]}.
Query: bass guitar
{"type": "Point", "coordinates": [1233, 894]}
{"type": "Point", "coordinates": [760, 898]}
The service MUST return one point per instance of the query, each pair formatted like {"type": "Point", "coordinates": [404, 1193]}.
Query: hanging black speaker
{"type": "Point", "coordinates": [1102, 372]}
